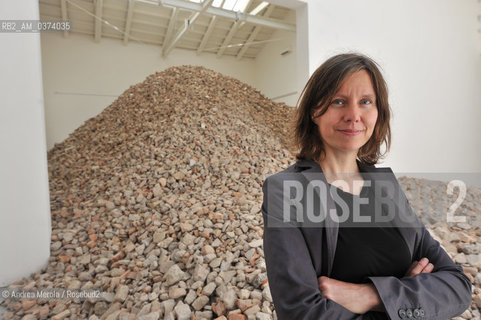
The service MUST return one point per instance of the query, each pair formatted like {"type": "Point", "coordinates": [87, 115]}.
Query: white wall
{"type": "Point", "coordinates": [82, 77]}
{"type": "Point", "coordinates": [24, 198]}
{"type": "Point", "coordinates": [429, 51]}
{"type": "Point", "coordinates": [301, 44]}
{"type": "Point", "coordinates": [276, 74]}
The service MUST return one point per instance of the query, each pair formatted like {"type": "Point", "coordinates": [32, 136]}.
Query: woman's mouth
{"type": "Point", "coordinates": [351, 132]}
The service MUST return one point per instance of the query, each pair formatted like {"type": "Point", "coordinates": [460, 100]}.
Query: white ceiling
{"type": "Point", "coordinates": [203, 26]}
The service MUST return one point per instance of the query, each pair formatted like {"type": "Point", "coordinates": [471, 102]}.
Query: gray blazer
{"type": "Point", "coordinates": [294, 261]}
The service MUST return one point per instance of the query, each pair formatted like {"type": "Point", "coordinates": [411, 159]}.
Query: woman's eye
{"type": "Point", "coordinates": [366, 101]}
{"type": "Point", "coordinates": [337, 102]}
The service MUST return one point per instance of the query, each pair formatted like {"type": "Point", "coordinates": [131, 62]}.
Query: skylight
{"type": "Point", "coordinates": [259, 8]}
{"type": "Point", "coordinates": [217, 3]}
{"type": "Point", "coordinates": [234, 5]}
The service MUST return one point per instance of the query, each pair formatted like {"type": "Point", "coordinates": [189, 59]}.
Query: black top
{"type": "Point", "coordinates": [367, 249]}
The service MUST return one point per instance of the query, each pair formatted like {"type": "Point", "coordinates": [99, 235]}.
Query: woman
{"type": "Point", "coordinates": [327, 266]}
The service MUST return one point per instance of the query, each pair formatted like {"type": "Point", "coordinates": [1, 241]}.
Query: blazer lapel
{"type": "Point", "coordinates": [313, 170]}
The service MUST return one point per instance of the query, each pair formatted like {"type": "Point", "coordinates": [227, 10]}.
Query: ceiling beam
{"type": "Point", "coordinates": [207, 34]}
{"type": "Point", "coordinates": [228, 38]}
{"type": "Point", "coordinates": [171, 27]}
{"type": "Point", "coordinates": [63, 7]}
{"type": "Point", "coordinates": [128, 20]}
{"type": "Point", "coordinates": [188, 22]}
{"type": "Point", "coordinates": [235, 26]}
{"type": "Point", "coordinates": [254, 33]}
{"type": "Point", "coordinates": [239, 16]}
{"type": "Point", "coordinates": [98, 20]}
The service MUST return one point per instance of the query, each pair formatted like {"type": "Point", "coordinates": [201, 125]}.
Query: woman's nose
{"type": "Point", "coordinates": [352, 112]}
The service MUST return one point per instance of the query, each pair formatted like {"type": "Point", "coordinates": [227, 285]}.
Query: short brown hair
{"type": "Point", "coordinates": [317, 94]}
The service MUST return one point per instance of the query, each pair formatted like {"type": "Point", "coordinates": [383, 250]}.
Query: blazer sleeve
{"type": "Point", "coordinates": [291, 276]}
{"type": "Point", "coordinates": [442, 294]}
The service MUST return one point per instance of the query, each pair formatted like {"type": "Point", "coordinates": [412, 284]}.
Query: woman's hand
{"type": "Point", "coordinates": [361, 298]}
{"type": "Point", "coordinates": [417, 267]}
{"type": "Point", "coordinates": [357, 298]}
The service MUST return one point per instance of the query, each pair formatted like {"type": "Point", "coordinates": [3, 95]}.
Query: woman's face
{"type": "Point", "coordinates": [351, 115]}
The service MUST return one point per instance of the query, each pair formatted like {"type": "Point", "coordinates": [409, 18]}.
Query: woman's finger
{"type": "Point", "coordinates": [410, 269]}
{"type": "Point", "coordinates": [420, 266]}
{"type": "Point", "coordinates": [428, 268]}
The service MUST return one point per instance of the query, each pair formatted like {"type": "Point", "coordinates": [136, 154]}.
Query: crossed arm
{"type": "Point", "coordinates": [361, 298]}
